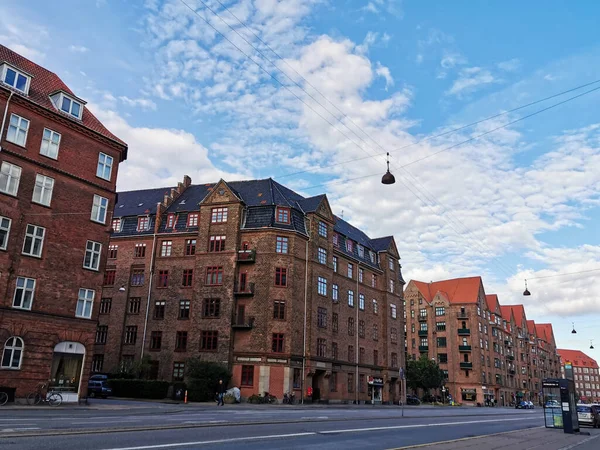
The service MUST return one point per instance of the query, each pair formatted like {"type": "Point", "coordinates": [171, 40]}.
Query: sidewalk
{"type": "Point", "coordinates": [533, 438]}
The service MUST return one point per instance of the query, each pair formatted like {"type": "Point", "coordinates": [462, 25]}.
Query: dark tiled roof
{"type": "Point", "coordinates": [45, 83]}
{"type": "Point", "coordinates": [381, 244]}
{"type": "Point", "coordinates": [311, 204]}
{"type": "Point", "coordinates": [138, 203]}
{"type": "Point", "coordinates": [190, 198]}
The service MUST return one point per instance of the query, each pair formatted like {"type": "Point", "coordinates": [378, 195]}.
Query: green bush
{"type": "Point", "coordinates": [151, 389]}
{"type": "Point", "coordinates": [254, 398]}
{"type": "Point", "coordinates": [203, 377]}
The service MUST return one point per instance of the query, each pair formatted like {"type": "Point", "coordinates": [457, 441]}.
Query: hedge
{"type": "Point", "coordinates": [151, 389]}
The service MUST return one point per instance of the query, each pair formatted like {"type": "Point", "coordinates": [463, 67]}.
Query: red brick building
{"type": "Point", "coordinates": [586, 374]}
{"type": "Point", "coordinates": [58, 168]}
{"type": "Point", "coordinates": [252, 275]}
{"type": "Point", "coordinates": [488, 351]}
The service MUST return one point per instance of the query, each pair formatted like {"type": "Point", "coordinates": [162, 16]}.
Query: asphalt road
{"type": "Point", "coordinates": [159, 426]}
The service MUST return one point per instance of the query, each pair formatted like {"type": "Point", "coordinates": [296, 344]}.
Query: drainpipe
{"type": "Point", "coordinates": [305, 319]}
{"type": "Point", "coordinates": [149, 295]}
{"type": "Point", "coordinates": [4, 117]}
{"type": "Point", "coordinates": [356, 306]}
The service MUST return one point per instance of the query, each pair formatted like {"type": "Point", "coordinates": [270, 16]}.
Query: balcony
{"type": "Point", "coordinates": [423, 348]}
{"type": "Point", "coordinates": [510, 357]}
{"type": "Point", "coordinates": [244, 290]}
{"type": "Point", "coordinates": [464, 331]}
{"type": "Point", "coordinates": [512, 371]}
{"type": "Point", "coordinates": [246, 256]}
{"type": "Point", "coordinates": [466, 365]}
{"type": "Point", "coordinates": [423, 333]}
{"type": "Point", "coordinates": [464, 348]}
{"type": "Point", "coordinates": [422, 318]}
{"type": "Point", "coordinates": [243, 324]}
{"type": "Point", "coordinates": [462, 315]}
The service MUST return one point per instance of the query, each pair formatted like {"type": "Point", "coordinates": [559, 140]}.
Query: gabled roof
{"type": "Point", "coordinates": [43, 84]}
{"type": "Point", "coordinates": [311, 204]}
{"type": "Point", "coordinates": [577, 358]}
{"type": "Point", "coordinates": [457, 290]}
{"type": "Point", "coordinates": [519, 312]}
{"type": "Point", "coordinates": [382, 244]}
{"type": "Point", "coordinates": [492, 302]}
{"type": "Point", "coordinates": [532, 329]}
{"type": "Point", "coordinates": [138, 203]}
{"type": "Point", "coordinates": [506, 313]}
{"type": "Point", "coordinates": [545, 331]}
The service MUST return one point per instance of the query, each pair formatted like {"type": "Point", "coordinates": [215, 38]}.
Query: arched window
{"type": "Point", "coordinates": [13, 353]}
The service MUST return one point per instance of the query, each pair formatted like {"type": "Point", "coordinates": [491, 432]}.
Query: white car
{"type": "Point", "coordinates": [584, 414]}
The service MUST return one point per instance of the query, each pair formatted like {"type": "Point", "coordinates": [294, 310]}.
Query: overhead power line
{"type": "Point", "coordinates": [563, 274]}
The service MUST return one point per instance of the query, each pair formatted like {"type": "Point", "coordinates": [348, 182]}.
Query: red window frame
{"type": "Point", "coordinates": [113, 251]}
{"type": "Point", "coordinates": [109, 277]}
{"type": "Point", "coordinates": [281, 276]}
{"type": "Point", "coordinates": [279, 310]}
{"type": "Point", "coordinates": [278, 343]}
{"type": "Point", "coordinates": [209, 341]}
{"type": "Point", "coordinates": [190, 247]}
{"type": "Point", "coordinates": [181, 339]}
{"type": "Point", "coordinates": [171, 220]}
{"type": "Point", "coordinates": [218, 215]}
{"type": "Point", "coordinates": [188, 277]}
{"type": "Point", "coordinates": [283, 215]}
{"type": "Point", "coordinates": [143, 223]}
{"type": "Point", "coordinates": [214, 276]}
{"type": "Point", "coordinates": [140, 251]}
{"type": "Point", "coordinates": [192, 219]}
{"type": "Point", "coordinates": [247, 376]}
{"type": "Point", "coordinates": [116, 228]}
{"type": "Point", "coordinates": [163, 278]}
{"type": "Point", "coordinates": [216, 243]}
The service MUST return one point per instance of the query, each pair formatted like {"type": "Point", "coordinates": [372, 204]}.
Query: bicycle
{"type": "Point", "coordinates": [50, 397]}
{"type": "Point", "coordinates": [3, 398]}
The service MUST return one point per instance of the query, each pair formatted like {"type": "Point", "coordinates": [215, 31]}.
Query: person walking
{"type": "Point", "coordinates": [220, 393]}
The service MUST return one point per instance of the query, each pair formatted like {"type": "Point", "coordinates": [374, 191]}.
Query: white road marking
{"type": "Point", "coordinates": [13, 430]}
{"type": "Point", "coordinates": [314, 417]}
{"type": "Point", "coordinates": [95, 422]}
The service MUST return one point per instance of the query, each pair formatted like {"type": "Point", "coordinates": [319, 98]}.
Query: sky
{"type": "Point", "coordinates": [314, 92]}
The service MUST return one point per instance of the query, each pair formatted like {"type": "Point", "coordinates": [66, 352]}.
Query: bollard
{"type": "Point", "coordinates": [185, 398]}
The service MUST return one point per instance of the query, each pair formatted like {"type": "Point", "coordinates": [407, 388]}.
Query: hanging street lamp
{"type": "Point", "coordinates": [526, 291]}
{"type": "Point", "coordinates": [388, 178]}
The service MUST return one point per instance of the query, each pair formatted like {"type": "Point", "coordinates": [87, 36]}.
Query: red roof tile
{"type": "Point", "coordinates": [506, 312]}
{"type": "Point", "coordinates": [577, 358]}
{"type": "Point", "coordinates": [45, 83]}
{"type": "Point", "coordinates": [532, 328]}
{"type": "Point", "coordinates": [492, 302]}
{"type": "Point", "coordinates": [545, 330]}
{"type": "Point", "coordinates": [519, 313]}
{"type": "Point", "coordinates": [457, 290]}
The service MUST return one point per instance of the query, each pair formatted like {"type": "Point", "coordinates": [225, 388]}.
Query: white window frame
{"type": "Point", "coordinates": [351, 298]}
{"type": "Point", "coordinates": [24, 286]}
{"type": "Point", "coordinates": [322, 229]}
{"type": "Point", "coordinates": [361, 302]}
{"type": "Point", "coordinates": [97, 206]}
{"type": "Point", "coordinates": [47, 144]}
{"type": "Point", "coordinates": [69, 109]}
{"type": "Point", "coordinates": [322, 255]}
{"type": "Point", "coordinates": [394, 311]}
{"type": "Point", "coordinates": [391, 264]}
{"type": "Point", "coordinates": [4, 70]}
{"type": "Point", "coordinates": [10, 172]}
{"type": "Point", "coordinates": [12, 349]}
{"type": "Point", "coordinates": [322, 282]}
{"type": "Point", "coordinates": [94, 250]}
{"type": "Point", "coordinates": [392, 286]}
{"type": "Point", "coordinates": [5, 227]}
{"type": "Point", "coordinates": [16, 129]}
{"type": "Point", "coordinates": [34, 237]}
{"type": "Point", "coordinates": [335, 292]}
{"type": "Point", "coordinates": [44, 187]}
{"type": "Point", "coordinates": [166, 248]}
{"type": "Point", "coordinates": [83, 299]}
{"type": "Point", "coordinates": [103, 164]}
{"type": "Point", "coordinates": [375, 307]}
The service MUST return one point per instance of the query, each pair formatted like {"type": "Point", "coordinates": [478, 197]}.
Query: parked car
{"type": "Point", "coordinates": [552, 404]}
{"type": "Point", "coordinates": [584, 414]}
{"type": "Point", "coordinates": [412, 400]}
{"type": "Point", "coordinates": [524, 405]}
{"type": "Point", "coordinates": [530, 404]}
{"type": "Point", "coordinates": [98, 388]}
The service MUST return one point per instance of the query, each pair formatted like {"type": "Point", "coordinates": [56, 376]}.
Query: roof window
{"type": "Point", "coordinates": [68, 104]}
{"type": "Point", "coordinates": [15, 78]}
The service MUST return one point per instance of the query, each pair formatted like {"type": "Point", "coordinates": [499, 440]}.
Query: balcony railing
{"type": "Point", "coordinates": [464, 331]}
{"type": "Point", "coordinates": [466, 365]}
{"type": "Point", "coordinates": [246, 256]}
{"type": "Point", "coordinates": [246, 289]}
{"type": "Point", "coordinates": [423, 348]}
{"type": "Point", "coordinates": [462, 315]}
{"type": "Point", "coordinates": [464, 348]}
{"type": "Point", "coordinates": [423, 333]}
{"type": "Point", "coordinates": [243, 324]}
{"type": "Point", "coordinates": [422, 318]}
{"type": "Point", "coordinates": [510, 357]}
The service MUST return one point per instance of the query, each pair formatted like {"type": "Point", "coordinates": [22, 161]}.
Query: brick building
{"type": "Point", "coordinates": [586, 374]}
{"type": "Point", "coordinates": [252, 275]}
{"type": "Point", "coordinates": [57, 188]}
{"type": "Point", "coordinates": [488, 351]}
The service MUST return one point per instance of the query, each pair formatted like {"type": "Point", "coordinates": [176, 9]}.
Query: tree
{"type": "Point", "coordinates": [423, 373]}
{"type": "Point", "coordinates": [203, 377]}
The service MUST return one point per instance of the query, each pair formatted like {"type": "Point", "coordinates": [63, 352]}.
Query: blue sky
{"type": "Point", "coordinates": [520, 202]}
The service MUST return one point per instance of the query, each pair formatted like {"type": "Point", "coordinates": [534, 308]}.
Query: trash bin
{"type": "Point", "coordinates": [10, 391]}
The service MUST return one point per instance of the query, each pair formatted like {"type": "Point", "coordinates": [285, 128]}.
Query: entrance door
{"type": "Point", "coordinates": [65, 374]}
{"type": "Point", "coordinates": [316, 385]}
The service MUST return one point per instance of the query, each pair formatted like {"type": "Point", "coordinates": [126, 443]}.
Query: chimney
{"type": "Point", "coordinates": [160, 209]}
{"type": "Point", "coordinates": [187, 181]}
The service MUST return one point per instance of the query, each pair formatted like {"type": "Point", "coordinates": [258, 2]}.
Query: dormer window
{"type": "Point", "coordinates": [349, 245]}
{"type": "Point", "coordinates": [171, 221]}
{"type": "Point", "coordinates": [282, 215]}
{"type": "Point", "coordinates": [68, 104]}
{"type": "Point", "coordinates": [15, 78]}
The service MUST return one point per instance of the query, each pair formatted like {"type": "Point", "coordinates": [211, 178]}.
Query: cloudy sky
{"type": "Point", "coordinates": [314, 92]}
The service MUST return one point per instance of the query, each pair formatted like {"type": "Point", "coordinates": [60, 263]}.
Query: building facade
{"type": "Point", "coordinates": [254, 276]}
{"type": "Point", "coordinates": [586, 374]}
{"type": "Point", "coordinates": [58, 168]}
{"type": "Point", "coordinates": [487, 351]}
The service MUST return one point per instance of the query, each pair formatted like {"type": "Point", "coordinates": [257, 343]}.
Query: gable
{"type": "Point", "coordinates": [324, 209]}
{"type": "Point", "coordinates": [220, 193]}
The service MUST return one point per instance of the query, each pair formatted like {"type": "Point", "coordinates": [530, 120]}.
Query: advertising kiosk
{"type": "Point", "coordinates": [560, 406]}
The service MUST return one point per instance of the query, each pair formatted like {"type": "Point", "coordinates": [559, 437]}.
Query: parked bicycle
{"type": "Point", "coordinates": [3, 398]}
{"type": "Point", "coordinates": [43, 395]}
{"type": "Point", "coordinates": [289, 398]}
{"type": "Point", "coordinates": [268, 398]}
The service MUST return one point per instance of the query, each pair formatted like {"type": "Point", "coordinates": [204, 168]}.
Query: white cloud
{"type": "Point", "coordinates": [22, 36]}
{"type": "Point", "coordinates": [142, 103]}
{"type": "Point", "coordinates": [509, 66]}
{"type": "Point", "coordinates": [451, 60]}
{"type": "Point", "coordinates": [384, 72]}
{"type": "Point", "coordinates": [470, 79]}
{"type": "Point", "coordinates": [78, 49]}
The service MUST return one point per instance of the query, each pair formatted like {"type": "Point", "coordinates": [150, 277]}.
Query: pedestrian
{"type": "Point", "coordinates": [220, 392]}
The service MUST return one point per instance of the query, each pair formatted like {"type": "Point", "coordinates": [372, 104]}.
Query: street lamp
{"type": "Point", "coordinates": [591, 344]}
{"type": "Point", "coordinates": [388, 178]}
{"type": "Point", "coordinates": [526, 292]}
{"type": "Point", "coordinates": [573, 331]}
{"type": "Point", "coordinates": [122, 289]}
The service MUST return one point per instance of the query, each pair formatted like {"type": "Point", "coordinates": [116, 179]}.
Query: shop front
{"type": "Point", "coordinates": [489, 396]}
{"type": "Point", "coordinates": [468, 395]}
{"type": "Point", "coordinates": [66, 371]}
{"type": "Point", "coordinates": [375, 389]}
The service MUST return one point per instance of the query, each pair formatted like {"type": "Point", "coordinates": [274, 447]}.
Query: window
{"type": "Point", "coordinates": [375, 358]}
{"type": "Point", "coordinates": [334, 322]}
{"type": "Point", "coordinates": [281, 276]}
{"type": "Point", "coordinates": [16, 79]}
{"type": "Point", "coordinates": [361, 328]}
{"type": "Point", "coordinates": [350, 270]}
{"type": "Point", "coordinates": [112, 251]}
{"type": "Point", "coordinates": [394, 335]}
{"type": "Point", "coordinates": [393, 311]}
{"type": "Point", "coordinates": [441, 342]}
{"type": "Point", "coordinates": [350, 326]}
{"type": "Point", "coordinates": [422, 313]}
{"type": "Point", "coordinates": [192, 219]}
{"type": "Point", "coordinates": [101, 333]}
{"type": "Point", "coordinates": [350, 383]}
{"type": "Point", "coordinates": [351, 354]}
{"type": "Point", "coordinates": [351, 299]}
{"type": "Point", "coordinates": [181, 340]}
{"type": "Point", "coordinates": [178, 371]}
{"type": "Point", "coordinates": [188, 276]}
{"type": "Point", "coordinates": [10, 176]}
{"type": "Point", "coordinates": [34, 240]}
{"type": "Point", "coordinates": [137, 277]}
{"type": "Point", "coordinates": [322, 286]}
{"type": "Point", "coordinates": [156, 340]}
{"type": "Point", "coordinates": [218, 215]}
{"type": "Point", "coordinates": [322, 317]}
{"type": "Point", "coordinates": [282, 215]}
{"type": "Point", "coordinates": [92, 255]}
{"type": "Point", "coordinates": [440, 311]}
{"type": "Point", "coordinates": [375, 307]}
{"type": "Point", "coordinates": [392, 286]}
{"type": "Point", "coordinates": [443, 358]}
{"type": "Point", "coordinates": [277, 343]}
{"type": "Point", "coordinates": [105, 164]}
{"type": "Point", "coordinates": [116, 225]}
{"type": "Point", "coordinates": [85, 300]}
{"type": "Point", "coordinates": [423, 342]}
{"type": "Point", "coordinates": [171, 219]}
{"type": "Point", "coordinates": [281, 245]}
{"type": "Point", "coordinates": [166, 247]}
{"type": "Point", "coordinates": [42, 191]}
{"type": "Point", "coordinates": [322, 255]}
{"type": "Point", "coordinates": [361, 274]}
{"type": "Point", "coordinates": [99, 208]}
{"type": "Point", "coordinates": [361, 302]}
{"type": "Point", "coordinates": [321, 347]}
{"type": "Point", "coordinates": [322, 229]}
{"type": "Point", "coordinates": [105, 305]}
{"type": "Point", "coordinates": [24, 292]}
{"type": "Point", "coordinates": [335, 264]}
{"type": "Point", "coordinates": [17, 130]}
{"type": "Point", "coordinates": [375, 333]}
{"type": "Point", "coordinates": [214, 276]}
{"type": "Point", "coordinates": [212, 307]}
{"type": "Point", "coordinates": [134, 305]}
{"type": "Point", "coordinates": [209, 340]}
{"type": "Point", "coordinates": [190, 247]}
{"type": "Point", "coordinates": [391, 264]}
{"type": "Point", "coordinates": [334, 350]}
{"type": "Point", "coordinates": [13, 353]}
{"type": "Point", "coordinates": [5, 223]}
{"type": "Point", "coordinates": [97, 363]}
{"type": "Point", "coordinates": [71, 106]}
{"type": "Point", "coordinates": [216, 244]}
{"type": "Point", "coordinates": [184, 309]}
{"type": "Point", "coordinates": [336, 239]}
{"type": "Point", "coordinates": [440, 326]}
{"type": "Point", "coordinates": [333, 382]}
{"type": "Point", "coordinates": [279, 310]}
{"type": "Point", "coordinates": [163, 278]}
{"type": "Point", "coordinates": [248, 376]}
{"type": "Point", "coordinates": [349, 245]}
{"type": "Point", "coordinates": [159, 309]}
{"type": "Point", "coordinates": [394, 360]}
{"type": "Point", "coordinates": [143, 223]}
{"type": "Point", "coordinates": [140, 250]}
{"type": "Point", "coordinates": [335, 292]}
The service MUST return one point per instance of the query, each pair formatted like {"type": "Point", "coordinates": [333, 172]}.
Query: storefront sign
{"type": "Point", "coordinates": [375, 381]}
